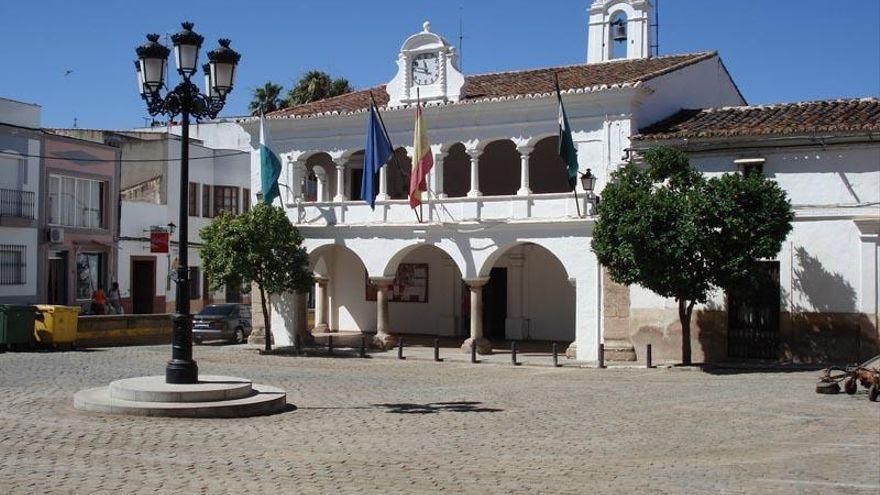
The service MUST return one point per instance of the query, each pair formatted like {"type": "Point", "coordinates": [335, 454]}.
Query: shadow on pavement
{"type": "Point", "coordinates": [437, 407]}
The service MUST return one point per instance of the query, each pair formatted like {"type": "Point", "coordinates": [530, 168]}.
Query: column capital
{"type": "Point", "coordinates": [321, 280]}
{"type": "Point", "coordinates": [382, 282]}
{"type": "Point", "coordinates": [525, 150]}
{"type": "Point", "coordinates": [475, 283]}
{"type": "Point", "coordinates": [474, 153]}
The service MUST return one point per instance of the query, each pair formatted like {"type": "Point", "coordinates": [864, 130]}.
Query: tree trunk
{"type": "Point", "coordinates": [266, 319]}
{"type": "Point", "coordinates": [685, 310]}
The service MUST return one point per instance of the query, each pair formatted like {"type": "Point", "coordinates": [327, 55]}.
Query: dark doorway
{"type": "Point", "coordinates": [57, 290]}
{"type": "Point", "coordinates": [233, 293]}
{"type": "Point", "coordinates": [143, 285]}
{"type": "Point", "coordinates": [357, 176]}
{"type": "Point", "coordinates": [495, 304]}
{"type": "Point", "coordinates": [753, 317]}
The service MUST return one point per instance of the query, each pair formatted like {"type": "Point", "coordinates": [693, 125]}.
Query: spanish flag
{"type": "Point", "coordinates": [423, 160]}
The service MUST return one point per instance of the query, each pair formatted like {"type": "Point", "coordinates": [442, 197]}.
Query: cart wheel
{"type": "Point", "coordinates": [850, 386]}
{"type": "Point", "coordinates": [873, 393]}
{"type": "Point", "coordinates": [827, 388]}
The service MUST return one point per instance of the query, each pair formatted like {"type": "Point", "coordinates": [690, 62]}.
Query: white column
{"type": "Point", "coordinates": [383, 184]}
{"type": "Point", "coordinates": [475, 172]}
{"type": "Point", "coordinates": [514, 324]}
{"type": "Point", "coordinates": [297, 175]}
{"type": "Point", "coordinates": [476, 339]}
{"type": "Point", "coordinates": [524, 152]}
{"type": "Point", "coordinates": [383, 338]}
{"type": "Point", "coordinates": [320, 305]}
{"type": "Point", "coordinates": [300, 319]}
{"type": "Point", "coordinates": [340, 180]}
{"type": "Point", "coordinates": [321, 176]}
{"type": "Point", "coordinates": [439, 190]}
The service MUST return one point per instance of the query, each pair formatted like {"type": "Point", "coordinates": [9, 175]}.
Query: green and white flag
{"type": "Point", "coordinates": [270, 167]}
{"type": "Point", "coordinates": [567, 151]}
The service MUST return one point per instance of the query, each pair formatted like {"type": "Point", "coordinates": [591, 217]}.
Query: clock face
{"type": "Point", "coordinates": [425, 68]}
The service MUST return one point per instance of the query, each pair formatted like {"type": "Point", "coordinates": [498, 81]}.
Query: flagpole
{"type": "Point", "coordinates": [393, 153]}
{"type": "Point", "coordinates": [577, 202]}
{"type": "Point", "coordinates": [420, 214]}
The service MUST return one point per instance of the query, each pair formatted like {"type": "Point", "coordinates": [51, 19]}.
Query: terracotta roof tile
{"type": "Point", "coordinates": [834, 116]}
{"type": "Point", "coordinates": [517, 83]}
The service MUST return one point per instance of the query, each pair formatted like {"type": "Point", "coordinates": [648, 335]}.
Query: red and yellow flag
{"type": "Point", "coordinates": [423, 160]}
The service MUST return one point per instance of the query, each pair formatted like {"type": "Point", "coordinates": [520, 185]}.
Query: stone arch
{"type": "Point", "coordinates": [547, 172]}
{"type": "Point", "coordinates": [346, 301]}
{"type": "Point", "coordinates": [529, 295]}
{"type": "Point", "coordinates": [398, 174]}
{"type": "Point", "coordinates": [355, 172]}
{"type": "Point", "coordinates": [426, 293]}
{"type": "Point", "coordinates": [323, 160]}
{"type": "Point", "coordinates": [618, 50]}
{"type": "Point", "coordinates": [456, 171]}
{"type": "Point", "coordinates": [493, 258]}
{"type": "Point", "coordinates": [391, 266]}
{"type": "Point", "coordinates": [499, 168]}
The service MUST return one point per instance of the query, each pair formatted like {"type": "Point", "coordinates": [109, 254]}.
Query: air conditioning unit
{"type": "Point", "coordinates": [56, 234]}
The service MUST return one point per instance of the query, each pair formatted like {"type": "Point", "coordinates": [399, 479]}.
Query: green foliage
{"type": "Point", "coordinates": [267, 98]}
{"type": "Point", "coordinates": [669, 229]}
{"type": "Point", "coordinates": [316, 85]}
{"type": "Point", "coordinates": [261, 246]}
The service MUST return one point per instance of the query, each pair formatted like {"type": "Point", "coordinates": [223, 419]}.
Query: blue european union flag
{"type": "Point", "coordinates": [377, 151]}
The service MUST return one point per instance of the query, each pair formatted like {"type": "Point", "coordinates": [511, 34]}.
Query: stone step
{"type": "Point", "coordinates": [210, 388]}
{"type": "Point", "coordinates": [262, 400]}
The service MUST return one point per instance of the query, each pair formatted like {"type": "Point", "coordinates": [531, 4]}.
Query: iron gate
{"type": "Point", "coordinates": [753, 318]}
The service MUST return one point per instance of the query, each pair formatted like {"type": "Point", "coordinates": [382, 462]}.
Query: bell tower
{"type": "Point", "coordinates": [620, 29]}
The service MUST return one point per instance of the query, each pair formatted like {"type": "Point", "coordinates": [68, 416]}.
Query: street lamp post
{"type": "Point", "coordinates": [187, 101]}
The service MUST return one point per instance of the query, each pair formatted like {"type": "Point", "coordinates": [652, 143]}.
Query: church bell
{"type": "Point", "coordinates": [619, 31]}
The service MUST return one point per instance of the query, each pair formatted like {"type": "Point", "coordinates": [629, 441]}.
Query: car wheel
{"type": "Point", "coordinates": [850, 386]}
{"type": "Point", "coordinates": [238, 337]}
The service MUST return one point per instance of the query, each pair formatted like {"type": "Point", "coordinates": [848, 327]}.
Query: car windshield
{"type": "Point", "coordinates": [215, 310]}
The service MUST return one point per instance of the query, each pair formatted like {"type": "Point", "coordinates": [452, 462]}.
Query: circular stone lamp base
{"type": "Point", "coordinates": [212, 397]}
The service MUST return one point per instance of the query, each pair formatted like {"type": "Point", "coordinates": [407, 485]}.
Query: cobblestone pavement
{"type": "Point", "coordinates": [387, 426]}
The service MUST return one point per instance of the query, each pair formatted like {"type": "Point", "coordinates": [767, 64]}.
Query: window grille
{"type": "Point", "coordinates": [12, 265]}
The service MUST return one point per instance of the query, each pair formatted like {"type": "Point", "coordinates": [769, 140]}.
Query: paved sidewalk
{"type": "Point", "coordinates": [384, 426]}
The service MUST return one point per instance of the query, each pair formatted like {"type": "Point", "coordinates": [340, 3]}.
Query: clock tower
{"type": "Point", "coordinates": [427, 68]}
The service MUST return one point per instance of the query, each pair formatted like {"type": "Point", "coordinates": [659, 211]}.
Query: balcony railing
{"type": "Point", "coordinates": [537, 207]}
{"type": "Point", "coordinates": [18, 204]}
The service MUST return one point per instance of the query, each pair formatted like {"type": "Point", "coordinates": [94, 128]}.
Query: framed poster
{"type": "Point", "coordinates": [410, 284]}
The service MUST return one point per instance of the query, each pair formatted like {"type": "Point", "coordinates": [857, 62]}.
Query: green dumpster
{"type": "Point", "coordinates": [16, 326]}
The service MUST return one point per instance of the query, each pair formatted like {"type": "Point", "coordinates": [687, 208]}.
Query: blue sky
{"type": "Point", "coordinates": [779, 50]}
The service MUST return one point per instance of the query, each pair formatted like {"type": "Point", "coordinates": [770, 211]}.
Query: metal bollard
{"type": "Point", "coordinates": [513, 353]}
{"type": "Point", "coordinates": [400, 348]}
{"type": "Point", "coordinates": [437, 350]}
{"type": "Point", "coordinates": [648, 357]}
{"type": "Point", "coordinates": [363, 349]}
{"type": "Point", "coordinates": [601, 355]}
{"type": "Point", "coordinates": [330, 345]}
{"type": "Point", "coordinates": [474, 353]}
{"type": "Point", "coordinates": [555, 355]}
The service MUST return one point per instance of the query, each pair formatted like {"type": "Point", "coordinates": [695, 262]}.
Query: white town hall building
{"type": "Point", "coordinates": [503, 249]}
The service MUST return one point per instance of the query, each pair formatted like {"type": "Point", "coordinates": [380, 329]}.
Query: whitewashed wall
{"type": "Point", "coordinates": [825, 265]}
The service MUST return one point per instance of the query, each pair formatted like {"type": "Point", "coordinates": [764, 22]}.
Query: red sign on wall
{"type": "Point", "coordinates": [159, 240]}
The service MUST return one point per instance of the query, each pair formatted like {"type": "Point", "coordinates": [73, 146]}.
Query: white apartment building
{"type": "Point", "coordinates": [20, 146]}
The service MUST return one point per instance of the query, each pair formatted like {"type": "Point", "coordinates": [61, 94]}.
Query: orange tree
{"type": "Point", "coordinates": [260, 246]}
{"type": "Point", "coordinates": [666, 227]}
